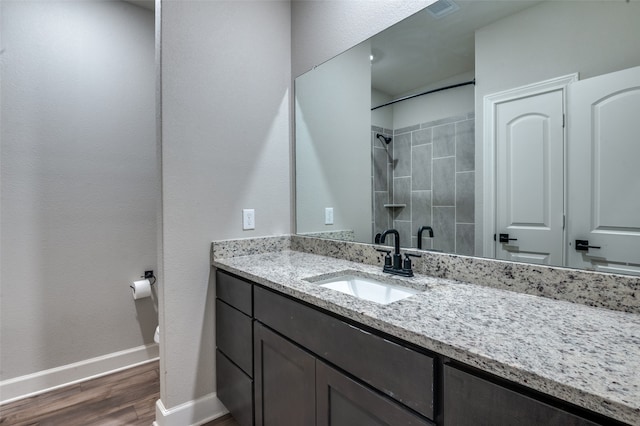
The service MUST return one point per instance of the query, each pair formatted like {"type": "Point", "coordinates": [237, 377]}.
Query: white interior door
{"type": "Point", "coordinates": [530, 178]}
{"type": "Point", "coordinates": [604, 172]}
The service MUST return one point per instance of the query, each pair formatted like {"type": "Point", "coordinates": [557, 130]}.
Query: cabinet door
{"type": "Point", "coordinates": [472, 401]}
{"type": "Point", "coordinates": [400, 373]}
{"type": "Point", "coordinates": [342, 401]}
{"type": "Point", "coordinates": [284, 381]}
{"type": "Point", "coordinates": [235, 390]}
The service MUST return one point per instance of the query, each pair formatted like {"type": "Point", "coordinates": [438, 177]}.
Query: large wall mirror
{"type": "Point", "coordinates": [500, 129]}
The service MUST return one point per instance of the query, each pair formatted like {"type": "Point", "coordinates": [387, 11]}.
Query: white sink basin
{"type": "Point", "coordinates": [368, 289]}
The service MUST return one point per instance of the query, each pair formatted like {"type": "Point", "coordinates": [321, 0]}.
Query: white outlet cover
{"type": "Point", "coordinates": [328, 216]}
{"type": "Point", "coordinates": [248, 219]}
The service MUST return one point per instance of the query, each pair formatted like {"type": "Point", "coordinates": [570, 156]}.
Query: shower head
{"type": "Point", "coordinates": [385, 139]}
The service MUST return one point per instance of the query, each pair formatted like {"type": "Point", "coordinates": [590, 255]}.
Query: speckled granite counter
{"type": "Point", "coordinates": [584, 355]}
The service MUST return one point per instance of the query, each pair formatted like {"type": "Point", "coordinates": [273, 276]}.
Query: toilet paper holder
{"type": "Point", "coordinates": [148, 275]}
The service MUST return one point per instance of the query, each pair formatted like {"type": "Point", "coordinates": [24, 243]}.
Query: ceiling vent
{"type": "Point", "coordinates": [442, 8]}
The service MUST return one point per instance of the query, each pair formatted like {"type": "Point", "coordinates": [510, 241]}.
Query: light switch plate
{"type": "Point", "coordinates": [328, 216]}
{"type": "Point", "coordinates": [248, 219]}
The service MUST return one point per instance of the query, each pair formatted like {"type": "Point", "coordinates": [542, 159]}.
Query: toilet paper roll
{"type": "Point", "coordinates": [141, 289]}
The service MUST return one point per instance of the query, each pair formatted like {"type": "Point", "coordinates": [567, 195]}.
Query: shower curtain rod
{"type": "Point", "coordinates": [453, 86]}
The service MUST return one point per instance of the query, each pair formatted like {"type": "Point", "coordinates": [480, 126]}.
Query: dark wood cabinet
{"type": "Point", "coordinates": [234, 389]}
{"type": "Point", "coordinates": [235, 291]}
{"type": "Point", "coordinates": [293, 388]}
{"type": "Point", "coordinates": [281, 362]}
{"type": "Point", "coordinates": [400, 373]}
{"type": "Point", "coordinates": [342, 401]}
{"type": "Point", "coordinates": [284, 381]}
{"type": "Point", "coordinates": [472, 401]}
{"type": "Point", "coordinates": [234, 336]}
{"type": "Point", "coordinates": [234, 346]}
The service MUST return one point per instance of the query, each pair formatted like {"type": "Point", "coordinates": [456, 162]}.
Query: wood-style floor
{"type": "Point", "coordinates": [124, 398]}
{"type": "Point", "coordinates": [223, 421]}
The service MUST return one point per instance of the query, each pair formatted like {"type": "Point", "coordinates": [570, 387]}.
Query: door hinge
{"type": "Point", "coordinates": [564, 120]}
{"type": "Point", "coordinates": [564, 221]}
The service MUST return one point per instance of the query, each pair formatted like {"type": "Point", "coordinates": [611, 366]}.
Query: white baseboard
{"type": "Point", "coordinates": [48, 380]}
{"type": "Point", "coordinates": [191, 413]}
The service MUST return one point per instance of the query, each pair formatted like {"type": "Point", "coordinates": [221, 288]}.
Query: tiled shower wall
{"type": "Point", "coordinates": [429, 168]}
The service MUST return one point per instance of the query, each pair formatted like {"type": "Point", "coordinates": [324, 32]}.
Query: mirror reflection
{"type": "Point", "coordinates": [499, 129]}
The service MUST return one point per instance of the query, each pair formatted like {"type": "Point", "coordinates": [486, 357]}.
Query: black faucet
{"type": "Point", "coordinates": [428, 228]}
{"type": "Point", "coordinates": [396, 266]}
{"type": "Point", "coordinates": [397, 258]}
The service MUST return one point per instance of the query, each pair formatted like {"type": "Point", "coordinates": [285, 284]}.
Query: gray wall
{"type": "Point", "coordinates": [226, 76]}
{"type": "Point", "coordinates": [429, 166]}
{"type": "Point", "coordinates": [333, 155]}
{"type": "Point", "coordinates": [79, 181]}
{"type": "Point", "coordinates": [591, 38]}
{"type": "Point", "coordinates": [433, 139]}
{"type": "Point", "coordinates": [435, 106]}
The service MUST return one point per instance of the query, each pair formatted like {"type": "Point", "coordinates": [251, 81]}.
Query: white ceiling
{"type": "Point", "coordinates": [422, 49]}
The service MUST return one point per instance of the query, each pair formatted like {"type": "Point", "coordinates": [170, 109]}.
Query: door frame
{"type": "Point", "coordinates": [490, 105]}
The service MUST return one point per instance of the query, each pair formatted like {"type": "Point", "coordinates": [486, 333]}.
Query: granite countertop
{"type": "Point", "coordinates": [584, 355]}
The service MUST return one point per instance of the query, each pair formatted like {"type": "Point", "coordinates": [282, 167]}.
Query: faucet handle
{"type": "Point", "coordinates": [387, 258]}
{"type": "Point", "coordinates": [406, 263]}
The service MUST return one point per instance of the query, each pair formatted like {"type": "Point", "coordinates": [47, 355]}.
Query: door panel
{"type": "Point", "coordinates": [234, 389]}
{"type": "Point", "coordinates": [530, 180]}
{"type": "Point", "coordinates": [603, 174]}
{"type": "Point", "coordinates": [284, 381]}
{"type": "Point", "coordinates": [345, 402]}
{"type": "Point", "coordinates": [517, 256]}
{"type": "Point", "coordinates": [527, 174]}
{"type": "Point", "coordinates": [472, 401]}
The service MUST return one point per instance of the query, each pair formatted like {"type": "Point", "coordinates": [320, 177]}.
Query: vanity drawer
{"type": "Point", "coordinates": [234, 336]}
{"type": "Point", "coordinates": [234, 389]}
{"type": "Point", "coordinates": [235, 291]}
{"type": "Point", "coordinates": [342, 401]}
{"type": "Point", "coordinates": [471, 401]}
{"type": "Point", "coordinates": [401, 373]}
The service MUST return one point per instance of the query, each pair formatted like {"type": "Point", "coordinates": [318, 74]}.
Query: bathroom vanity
{"type": "Point", "coordinates": [311, 359]}
{"type": "Point", "coordinates": [290, 352]}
